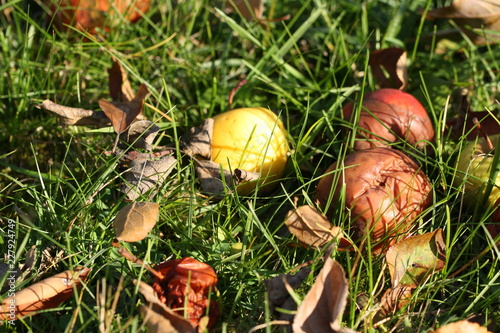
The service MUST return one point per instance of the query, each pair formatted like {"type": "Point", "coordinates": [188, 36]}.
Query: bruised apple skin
{"type": "Point", "coordinates": [389, 116]}
{"type": "Point", "coordinates": [385, 191]}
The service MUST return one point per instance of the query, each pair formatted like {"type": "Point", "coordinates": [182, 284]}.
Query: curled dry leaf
{"type": "Point", "coordinates": [160, 318]}
{"type": "Point", "coordinates": [472, 124]}
{"type": "Point", "coordinates": [75, 116]}
{"type": "Point", "coordinates": [325, 302]}
{"type": "Point", "coordinates": [472, 16]}
{"type": "Point", "coordinates": [123, 114]}
{"type": "Point", "coordinates": [462, 326]}
{"type": "Point", "coordinates": [313, 228]}
{"type": "Point", "coordinates": [198, 140]}
{"type": "Point", "coordinates": [133, 222]}
{"type": "Point", "coordinates": [249, 9]}
{"type": "Point", "coordinates": [119, 85]}
{"type": "Point", "coordinates": [146, 174]}
{"type": "Point", "coordinates": [279, 296]}
{"type": "Point", "coordinates": [210, 176]}
{"type": "Point", "coordinates": [393, 62]}
{"type": "Point", "coordinates": [45, 294]}
{"type": "Point", "coordinates": [412, 260]}
{"type": "Point", "coordinates": [141, 134]}
{"type": "Point", "coordinates": [393, 300]}
{"type": "Point", "coordinates": [185, 287]}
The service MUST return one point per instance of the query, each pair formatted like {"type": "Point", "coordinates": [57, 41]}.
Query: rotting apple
{"type": "Point", "coordinates": [385, 191]}
{"type": "Point", "coordinates": [254, 140]}
{"type": "Point", "coordinates": [87, 15]}
{"type": "Point", "coordinates": [474, 168]}
{"type": "Point", "coordinates": [388, 116]}
{"type": "Point", "coordinates": [186, 285]}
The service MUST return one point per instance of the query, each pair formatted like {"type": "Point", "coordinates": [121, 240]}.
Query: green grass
{"type": "Point", "coordinates": [62, 190]}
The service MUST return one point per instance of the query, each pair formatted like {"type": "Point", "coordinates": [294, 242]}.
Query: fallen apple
{"type": "Point", "coordinates": [87, 15]}
{"type": "Point", "coordinates": [474, 169]}
{"type": "Point", "coordinates": [253, 140]}
{"type": "Point", "coordinates": [388, 116]}
{"type": "Point", "coordinates": [385, 191]}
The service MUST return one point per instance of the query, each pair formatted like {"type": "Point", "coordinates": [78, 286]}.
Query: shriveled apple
{"type": "Point", "coordinates": [385, 191]}
{"type": "Point", "coordinates": [388, 116]}
{"type": "Point", "coordinates": [91, 14]}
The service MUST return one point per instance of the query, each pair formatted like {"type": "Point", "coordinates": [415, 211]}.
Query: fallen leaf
{"type": "Point", "coordinates": [393, 300]}
{"type": "Point", "coordinates": [45, 294]}
{"type": "Point", "coordinates": [119, 85]}
{"type": "Point", "coordinates": [210, 175]}
{"type": "Point", "coordinates": [75, 116]}
{"type": "Point", "coordinates": [392, 61]}
{"type": "Point", "coordinates": [313, 228]}
{"type": "Point", "coordinates": [472, 16]}
{"type": "Point", "coordinates": [146, 174]}
{"type": "Point", "coordinates": [123, 114]}
{"type": "Point", "coordinates": [141, 134]}
{"type": "Point", "coordinates": [464, 124]}
{"type": "Point", "coordinates": [249, 9]}
{"type": "Point", "coordinates": [462, 326]}
{"type": "Point", "coordinates": [413, 259]}
{"type": "Point", "coordinates": [186, 288]}
{"type": "Point", "coordinates": [198, 140]}
{"type": "Point", "coordinates": [158, 317]}
{"type": "Point", "coordinates": [133, 222]}
{"type": "Point", "coordinates": [279, 296]}
{"type": "Point", "coordinates": [325, 302]}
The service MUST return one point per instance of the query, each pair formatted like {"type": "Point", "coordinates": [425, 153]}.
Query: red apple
{"type": "Point", "coordinates": [388, 116]}
{"type": "Point", "coordinates": [385, 191]}
{"type": "Point", "coordinates": [91, 14]}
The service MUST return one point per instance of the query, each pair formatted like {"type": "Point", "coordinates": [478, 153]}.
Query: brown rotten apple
{"type": "Point", "coordinates": [385, 191]}
{"type": "Point", "coordinates": [388, 116]}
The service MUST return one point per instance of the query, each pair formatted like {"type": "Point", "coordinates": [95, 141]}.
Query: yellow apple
{"type": "Point", "coordinates": [254, 140]}
{"type": "Point", "coordinates": [474, 167]}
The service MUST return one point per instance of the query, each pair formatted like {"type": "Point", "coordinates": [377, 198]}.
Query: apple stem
{"type": "Point", "coordinates": [481, 130]}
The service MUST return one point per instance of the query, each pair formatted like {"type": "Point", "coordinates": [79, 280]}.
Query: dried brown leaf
{"type": "Point", "coordinates": [470, 15]}
{"type": "Point", "coordinates": [75, 116]}
{"type": "Point", "coordinates": [119, 85]}
{"type": "Point", "coordinates": [313, 228]}
{"type": "Point", "coordinates": [462, 326]}
{"type": "Point", "coordinates": [133, 222]}
{"type": "Point", "coordinates": [146, 174]}
{"type": "Point", "coordinates": [413, 259]}
{"type": "Point", "coordinates": [249, 9]}
{"type": "Point", "coordinates": [392, 60]}
{"type": "Point", "coordinates": [123, 114]}
{"type": "Point", "coordinates": [141, 134]}
{"type": "Point", "coordinates": [278, 294]}
{"type": "Point", "coordinates": [210, 176]}
{"type": "Point", "coordinates": [393, 300]}
{"type": "Point", "coordinates": [325, 302]}
{"type": "Point", "coordinates": [198, 140]}
{"type": "Point", "coordinates": [46, 294]}
{"type": "Point", "coordinates": [160, 318]}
